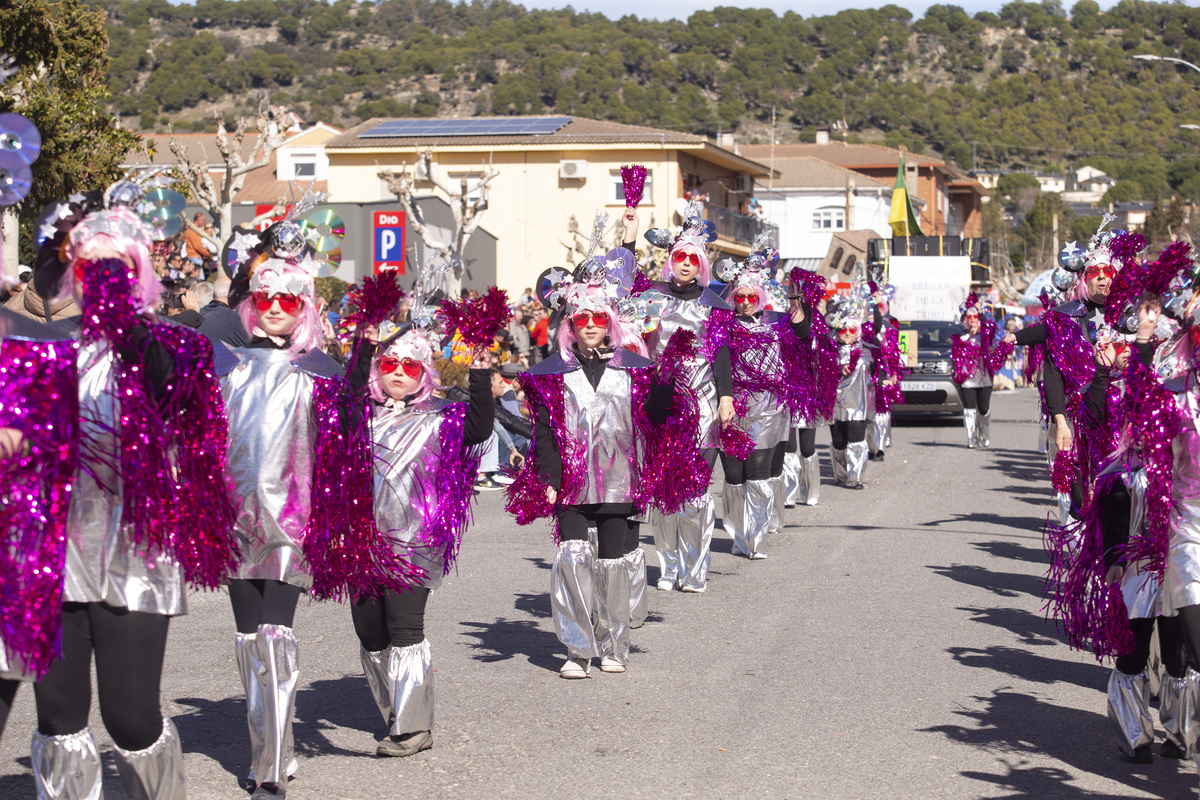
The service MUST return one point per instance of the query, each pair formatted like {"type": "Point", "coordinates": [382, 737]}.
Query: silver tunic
{"type": "Point", "coordinates": [272, 435]}
{"type": "Point", "coordinates": [980, 377]}
{"type": "Point", "coordinates": [103, 565]}
{"type": "Point", "coordinates": [856, 391]}
{"type": "Point", "coordinates": [767, 420]}
{"type": "Point", "coordinates": [692, 315]}
{"type": "Point", "coordinates": [1181, 580]}
{"type": "Point", "coordinates": [407, 451]}
{"type": "Point", "coordinates": [601, 419]}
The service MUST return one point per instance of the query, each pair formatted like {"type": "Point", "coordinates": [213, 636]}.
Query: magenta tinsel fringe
{"type": "Point", "coordinates": [736, 442]}
{"type": "Point", "coordinates": [855, 356]}
{"type": "Point", "coordinates": [1136, 279]}
{"type": "Point", "coordinates": [673, 469]}
{"type": "Point", "coordinates": [347, 554]}
{"type": "Point", "coordinates": [526, 499]}
{"type": "Point", "coordinates": [1065, 468]}
{"type": "Point", "coordinates": [1154, 420]}
{"type": "Point", "coordinates": [376, 301]}
{"type": "Point", "coordinates": [889, 364]}
{"type": "Point", "coordinates": [633, 178]}
{"type": "Point", "coordinates": [1069, 350]}
{"type": "Point", "coordinates": [640, 283]}
{"type": "Point", "coordinates": [454, 481]}
{"type": "Point", "coordinates": [716, 332]}
{"type": "Point", "coordinates": [1033, 362]}
{"type": "Point", "coordinates": [1126, 246]}
{"type": "Point", "coordinates": [478, 319]}
{"type": "Point", "coordinates": [967, 354]}
{"type": "Point", "coordinates": [172, 438]}
{"type": "Point", "coordinates": [1091, 612]}
{"type": "Point", "coordinates": [39, 396]}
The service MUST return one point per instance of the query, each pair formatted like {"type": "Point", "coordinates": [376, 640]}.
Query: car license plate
{"type": "Point", "coordinates": [918, 386]}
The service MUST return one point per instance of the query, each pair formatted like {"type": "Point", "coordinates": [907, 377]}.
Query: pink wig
{"type": "Point", "coordinates": [755, 283]}
{"type": "Point", "coordinates": [307, 335]}
{"type": "Point", "coordinates": [703, 276]}
{"type": "Point", "coordinates": [430, 382]}
{"type": "Point", "coordinates": [614, 337]}
{"type": "Point", "coordinates": [147, 288]}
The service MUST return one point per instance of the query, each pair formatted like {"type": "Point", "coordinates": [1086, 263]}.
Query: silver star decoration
{"type": "Point", "coordinates": [243, 243]}
{"type": "Point", "coordinates": [1071, 249]}
{"type": "Point", "coordinates": [557, 275]}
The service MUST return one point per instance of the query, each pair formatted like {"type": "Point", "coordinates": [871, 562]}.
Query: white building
{"type": "Point", "coordinates": [1087, 185]}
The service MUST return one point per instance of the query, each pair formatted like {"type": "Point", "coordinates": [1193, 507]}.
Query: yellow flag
{"type": "Point", "coordinates": [901, 217]}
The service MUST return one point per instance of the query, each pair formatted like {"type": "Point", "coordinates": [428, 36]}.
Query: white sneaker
{"type": "Point", "coordinates": [574, 668]}
{"type": "Point", "coordinates": [503, 480]}
{"type": "Point", "coordinates": [666, 585]}
{"type": "Point", "coordinates": [693, 589]}
{"type": "Point", "coordinates": [757, 556]}
{"type": "Point", "coordinates": [610, 664]}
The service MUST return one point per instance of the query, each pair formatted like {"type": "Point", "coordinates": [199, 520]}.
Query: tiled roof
{"type": "Point", "coordinates": [840, 153]}
{"type": "Point", "coordinates": [805, 172]}
{"type": "Point", "coordinates": [201, 148]}
{"type": "Point", "coordinates": [263, 187]}
{"type": "Point", "coordinates": [578, 131]}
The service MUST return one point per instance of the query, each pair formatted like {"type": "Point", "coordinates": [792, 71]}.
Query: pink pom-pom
{"type": "Point", "coordinates": [736, 442]}
{"type": "Point", "coordinates": [376, 301]}
{"type": "Point", "coordinates": [479, 319]}
{"type": "Point", "coordinates": [633, 180]}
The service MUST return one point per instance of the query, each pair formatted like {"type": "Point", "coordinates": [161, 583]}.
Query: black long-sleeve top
{"type": "Point", "coordinates": [1052, 380]}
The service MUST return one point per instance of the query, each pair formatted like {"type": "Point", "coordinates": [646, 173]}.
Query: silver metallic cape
{"type": "Point", "coordinates": [692, 315]}
{"type": "Point", "coordinates": [601, 419]}
{"type": "Point", "coordinates": [272, 435]}
{"type": "Point", "coordinates": [1181, 579]}
{"type": "Point", "coordinates": [856, 391]}
{"type": "Point", "coordinates": [103, 565]}
{"type": "Point", "coordinates": [980, 377]}
{"type": "Point", "coordinates": [767, 420]}
{"type": "Point", "coordinates": [407, 451]}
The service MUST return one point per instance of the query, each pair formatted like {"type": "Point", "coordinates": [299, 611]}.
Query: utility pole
{"type": "Point", "coordinates": [771, 177]}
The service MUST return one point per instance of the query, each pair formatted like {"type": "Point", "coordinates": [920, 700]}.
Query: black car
{"type": "Point", "coordinates": [928, 387]}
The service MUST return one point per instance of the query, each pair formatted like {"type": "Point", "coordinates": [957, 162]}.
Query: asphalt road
{"type": "Point", "coordinates": [892, 646]}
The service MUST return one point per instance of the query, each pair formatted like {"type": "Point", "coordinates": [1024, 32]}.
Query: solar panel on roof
{"type": "Point", "coordinates": [483, 126]}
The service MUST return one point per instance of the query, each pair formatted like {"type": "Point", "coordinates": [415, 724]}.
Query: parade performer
{"type": "Point", "coordinates": [426, 453]}
{"type": "Point", "coordinates": [684, 303]}
{"type": "Point", "coordinates": [137, 401]}
{"type": "Point", "coordinates": [889, 369]}
{"type": "Point", "coordinates": [767, 359]}
{"type": "Point", "coordinates": [855, 391]}
{"type": "Point", "coordinates": [610, 436]}
{"type": "Point", "coordinates": [977, 356]}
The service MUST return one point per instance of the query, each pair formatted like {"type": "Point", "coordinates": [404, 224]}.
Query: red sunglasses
{"type": "Point", "coordinates": [412, 367]}
{"type": "Point", "coordinates": [682, 256]}
{"type": "Point", "coordinates": [746, 297]}
{"type": "Point", "coordinates": [1092, 272]}
{"type": "Point", "coordinates": [847, 330]}
{"type": "Point", "coordinates": [288, 303]}
{"type": "Point", "coordinates": [599, 318]}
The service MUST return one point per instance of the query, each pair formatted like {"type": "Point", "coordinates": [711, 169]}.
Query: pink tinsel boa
{"type": "Point", "coordinates": [633, 180]}
{"type": "Point", "coordinates": [477, 320]}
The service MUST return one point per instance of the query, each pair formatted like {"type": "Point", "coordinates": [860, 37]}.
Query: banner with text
{"type": "Point", "coordinates": [929, 287]}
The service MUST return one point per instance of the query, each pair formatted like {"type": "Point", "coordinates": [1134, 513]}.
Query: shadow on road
{"type": "Point", "coordinates": [1011, 724]}
{"type": "Point", "coordinates": [993, 520]}
{"type": "Point", "coordinates": [1005, 584]}
{"type": "Point", "coordinates": [509, 638]}
{"type": "Point", "coordinates": [1017, 552]}
{"type": "Point", "coordinates": [1032, 629]}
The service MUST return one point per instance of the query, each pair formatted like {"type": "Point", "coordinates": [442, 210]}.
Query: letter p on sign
{"type": "Point", "coordinates": [389, 241]}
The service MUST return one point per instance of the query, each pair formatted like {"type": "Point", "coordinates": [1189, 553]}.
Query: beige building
{"type": "Point", "coordinates": [553, 181]}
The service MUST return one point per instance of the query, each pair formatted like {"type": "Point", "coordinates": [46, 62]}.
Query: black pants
{"type": "Point", "coordinates": [755, 468]}
{"type": "Point", "coordinates": [633, 537]}
{"type": "Point", "coordinates": [845, 432]}
{"type": "Point", "coordinates": [611, 529]}
{"type": "Point", "coordinates": [980, 398]}
{"type": "Point", "coordinates": [128, 647]}
{"type": "Point", "coordinates": [777, 459]}
{"type": "Point", "coordinates": [263, 602]}
{"type": "Point", "coordinates": [1170, 643]}
{"type": "Point", "coordinates": [802, 439]}
{"type": "Point", "coordinates": [394, 619]}
{"type": "Point", "coordinates": [8, 692]}
{"type": "Point", "coordinates": [1189, 621]}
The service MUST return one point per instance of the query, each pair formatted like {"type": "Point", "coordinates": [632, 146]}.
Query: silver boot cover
{"type": "Point", "coordinates": [66, 767]}
{"type": "Point", "coordinates": [666, 544]}
{"type": "Point", "coordinates": [810, 480]}
{"type": "Point", "coordinates": [734, 500]}
{"type": "Point", "coordinates": [572, 598]}
{"type": "Point", "coordinates": [838, 459]}
{"type": "Point", "coordinates": [639, 607]}
{"type": "Point", "coordinates": [1154, 665]}
{"type": "Point", "coordinates": [375, 667]}
{"type": "Point", "coordinates": [697, 520]}
{"type": "Point", "coordinates": [970, 420]}
{"type": "Point", "coordinates": [1129, 710]}
{"type": "Point", "coordinates": [1062, 502]}
{"type": "Point", "coordinates": [276, 657]}
{"type": "Point", "coordinates": [857, 455]}
{"type": "Point", "coordinates": [777, 513]}
{"type": "Point", "coordinates": [879, 434]}
{"type": "Point", "coordinates": [791, 478]}
{"type": "Point", "coordinates": [612, 608]}
{"type": "Point", "coordinates": [982, 436]}
{"type": "Point", "coordinates": [155, 773]}
{"type": "Point", "coordinates": [759, 503]}
{"type": "Point", "coordinates": [1177, 710]}
{"type": "Point", "coordinates": [410, 680]}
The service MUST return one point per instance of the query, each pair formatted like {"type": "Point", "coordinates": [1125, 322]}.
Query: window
{"type": "Point", "coordinates": [829, 219]}
{"type": "Point", "coordinates": [851, 263]}
{"type": "Point", "coordinates": [474, 192]}
{"type": "Point", "coordinates": [616, 187]}
{"type": "Point", "coordinates": [305, 169]}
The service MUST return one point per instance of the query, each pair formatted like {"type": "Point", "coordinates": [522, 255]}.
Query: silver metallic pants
{"type": "Point", "coordinates": [810, 480]}
{"type": "Point", "coordinates": [612, 608]}
{"type": "Point", "coordinates": [970, 422]}
{"type": "Point", "coordinates": [1177, 709]}
{"type": "Point", "coordinates": [777, 511]}
{"type": "Point", "coordinates": [66, 767]}
{"type": "Point", "coordinates": [683, 542]}
{"type": "Point", "coordinates": [269, 664]}
{"type": "Point", "coordinates": [791, 478]}
{"type": "Point", "coordinates": [1129, 710]}
{"type": "Point", "coordinates": [155, 773]}
{"type": "Point", "coordinates": [635, 565]}
{"type": "Point", "coordinates": [849, 464]}
{"type": "Point", "coordinates": [760, 501]}
{"type": "Point", "coordinates": [572, 597]}
{"type": "Point", "coordinates": [983, 436]}
{"type": "Point", "coordinates": [733, 500]}
{"type": "Point", "coordinates": [879, 434]}
{"type": "Point", "coordinates": [401, 681]}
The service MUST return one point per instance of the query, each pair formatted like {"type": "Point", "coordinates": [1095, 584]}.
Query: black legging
{"type": "Point", "coordinates": [263, 602]}
{"type": "Point", "coordinates": [128, 647]}
{"type": "Point", "coordinates": [1170, 643]}
{"type": "Point", "coordinates": [1189, 621]}
{"type": "Point", "coordinates": [755, 468]}
{"type": "Point", "coordinates": [395, 619]}
{"type": "Point", "coordinates": [611, 529]}
{"type": "Point", "coordinates": [980, 398]}
{"type": "Point", "coordinates": [8, 691]}
{"type": "Point", "coordinates": [777, 459]}
{"type": "Point", "coordinates": [633, 537]}
{"type": "Point", "coordinates": [802, 439]}
{"type": "Point", "coordinates": [845, 432]}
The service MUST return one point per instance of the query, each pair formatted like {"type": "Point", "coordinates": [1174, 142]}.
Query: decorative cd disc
{"type": "Point", "coordinates": [162, 204]}
{"type": "Point", "coordinates": [19, 135]}
{"type": "Point", "coordinates": [324, 229]}
{"type": "Point", "coordinates": [163, 229]}
{"type": "Point", "coordinates": [15, 178]}
{"type": "Point", "coordinates": [329, 260]}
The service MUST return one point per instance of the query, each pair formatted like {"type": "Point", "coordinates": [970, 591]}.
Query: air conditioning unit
{"type": "Point", "coordinates": [745, 183]}
{"type": "Point", "coordinates": [572, 168]}
{"type": "Point", "coordinates": [419, 170]}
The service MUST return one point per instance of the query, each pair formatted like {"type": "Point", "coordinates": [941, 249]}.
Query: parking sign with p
{"type": "Point", "coordinates": [389, 241]}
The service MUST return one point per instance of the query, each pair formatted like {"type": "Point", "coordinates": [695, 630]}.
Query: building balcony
{"type": "Point", "coordinates": [741, 228]}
